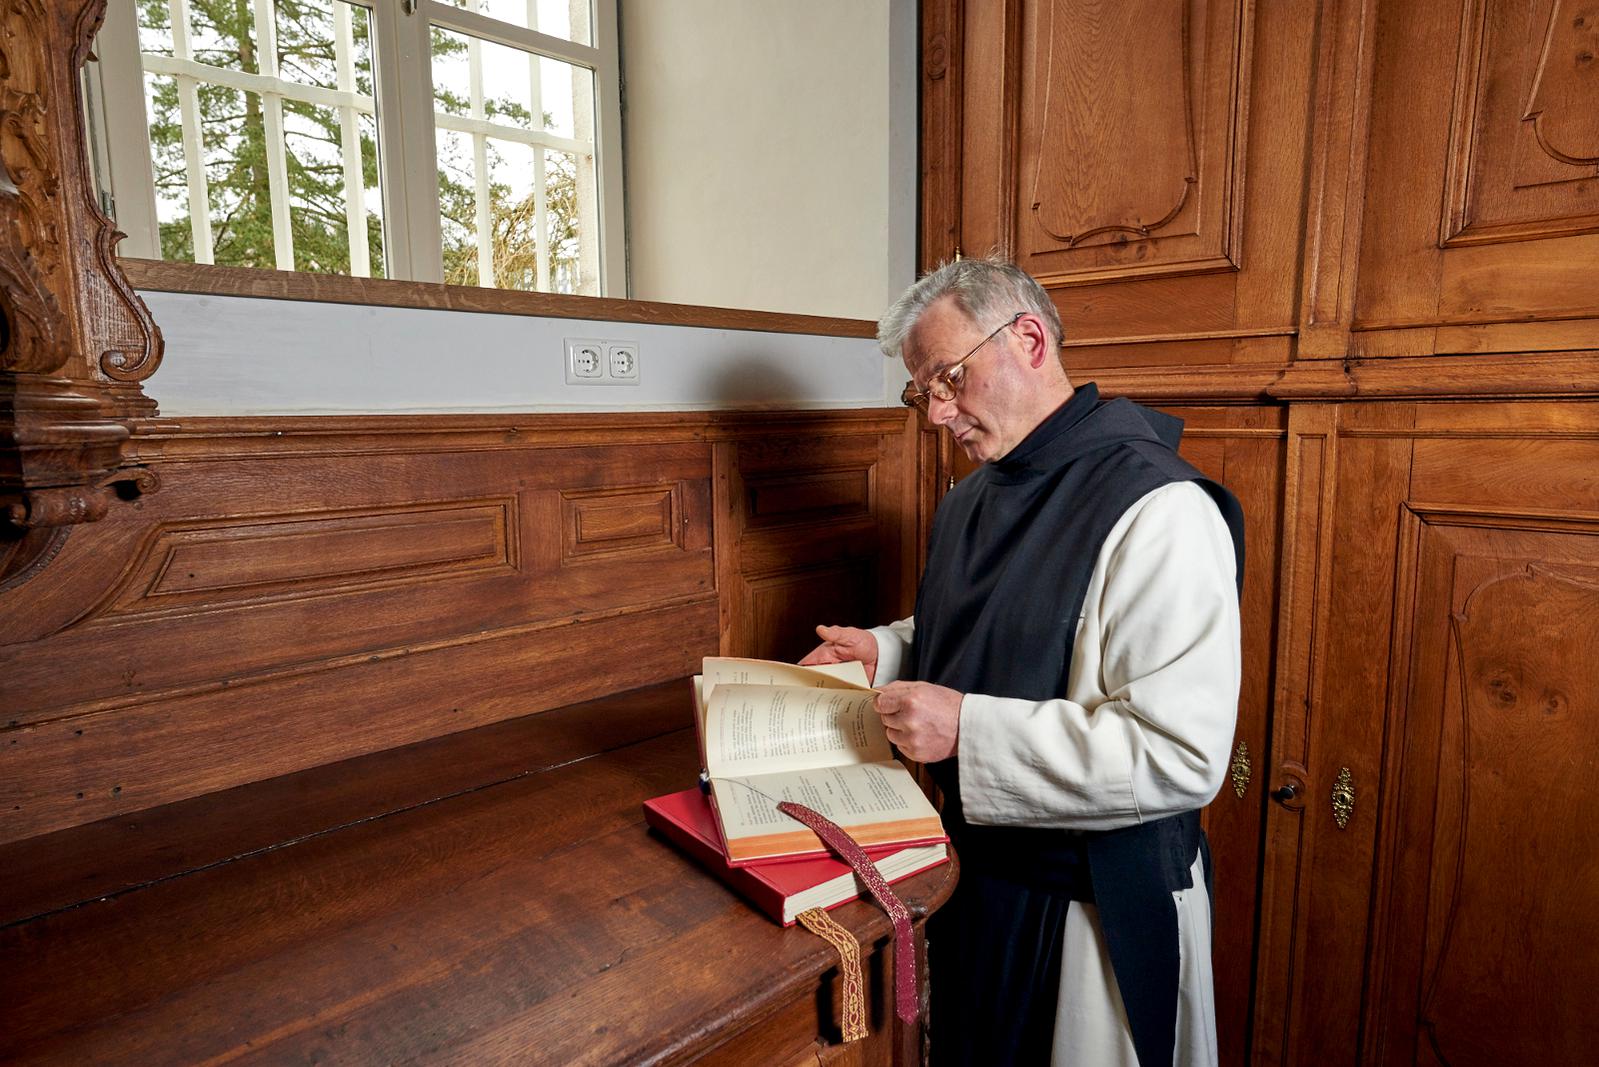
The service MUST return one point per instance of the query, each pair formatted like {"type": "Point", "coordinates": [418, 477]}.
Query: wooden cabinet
{"type": "Point", "coordinates": [1355, 244]}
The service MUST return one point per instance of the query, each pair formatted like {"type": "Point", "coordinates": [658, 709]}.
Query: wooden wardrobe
{"type": "Point", "coordinates": [1355, 244]}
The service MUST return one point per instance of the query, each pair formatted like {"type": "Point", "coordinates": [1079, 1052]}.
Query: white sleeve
{"type": "Point", "coordinates": [1147, 724]}
{"type": "Point", "coordinates": [893, 642]}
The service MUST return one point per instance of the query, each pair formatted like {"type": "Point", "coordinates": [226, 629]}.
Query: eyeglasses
{"type": "Point", "coordinates": [942, 386]}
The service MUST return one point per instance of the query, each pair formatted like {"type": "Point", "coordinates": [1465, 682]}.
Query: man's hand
{"type": "Point", "coordinates": [922, 719]}
{"type": "Point", "coordinates": [842, 644]}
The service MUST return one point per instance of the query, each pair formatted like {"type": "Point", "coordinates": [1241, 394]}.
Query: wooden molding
{"type": "Point", "coordinates": [1527, 375]}
{"type": "Point", "coordinates": [258, 437]}
{"type": "Point", "coordinates": [75, 340]}
{"type": "Point", "coordinates": [162, 276]}
{"type": "Point", "coordinates": [939, 151]}
{"type": "Point", "coordinates": [1337, 173]}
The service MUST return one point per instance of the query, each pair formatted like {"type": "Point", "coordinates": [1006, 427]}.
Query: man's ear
{"type": "Point", "coordinates": [1037, 341]}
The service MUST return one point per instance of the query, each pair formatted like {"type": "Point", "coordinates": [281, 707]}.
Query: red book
{"type": "Point", "coordinates": [782, 889]}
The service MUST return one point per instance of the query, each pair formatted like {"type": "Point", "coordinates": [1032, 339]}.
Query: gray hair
{"type": "Point", "coordinates": [988, 291]}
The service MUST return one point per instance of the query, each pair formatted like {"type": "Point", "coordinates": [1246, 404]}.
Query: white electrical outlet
{"type": "Point", "coordinates": [585, 362]}
{"type": "Point", "coordinates": [621, 361]}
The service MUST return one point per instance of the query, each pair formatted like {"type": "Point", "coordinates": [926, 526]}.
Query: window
{"type": "Point", "coordinates": [474, 142]}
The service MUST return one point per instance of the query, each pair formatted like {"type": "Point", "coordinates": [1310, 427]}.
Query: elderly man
{"type": "Point", "coordinates": [1071, 678]}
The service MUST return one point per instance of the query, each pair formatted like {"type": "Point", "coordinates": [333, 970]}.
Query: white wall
{"type": "Point", "coordinates": [770, 152]}
{"type": "Point", "coordinates": [249, 356]}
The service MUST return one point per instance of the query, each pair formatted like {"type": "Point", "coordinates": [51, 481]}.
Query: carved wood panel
{"type": "Point", "coordinates": [1524, 155]}
{"type": "Point", "coordinates": [1144, 160]}
{"type": "Point", "coordinates": [1133, 115]}
{"type": "Point", "coordinates": [75, 340]}
{"type": "Point", "coordinates": [1481, 212]}
{"type": "Point", "coordinates": [1486, 932]}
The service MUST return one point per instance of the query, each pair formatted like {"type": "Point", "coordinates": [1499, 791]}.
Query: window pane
{"type": "Point", "coordinates": [570, 20]}
{"type": "Point", "coordinates": [528, 185]}
{"type": "Point", "coordinates": [313, 148]}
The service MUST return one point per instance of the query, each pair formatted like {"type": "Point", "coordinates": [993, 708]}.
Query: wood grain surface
{"type": "Point", "coordinates": [492, 896]}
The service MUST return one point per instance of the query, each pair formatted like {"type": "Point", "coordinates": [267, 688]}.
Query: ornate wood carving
{"type": "Point", "coordinates": [1561, 110]}
{"type": "Point", "coordinates": [75, 340]}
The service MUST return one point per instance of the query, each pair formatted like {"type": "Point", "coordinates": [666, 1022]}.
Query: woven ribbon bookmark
{"type": "Point", "coordinates": [852, 1016]}
{"type": "Point", "coordinates": [834, 837]}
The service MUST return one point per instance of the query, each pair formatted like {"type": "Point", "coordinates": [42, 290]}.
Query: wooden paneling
{"type": "Point", "coordinates": [1524, 150]}
{"type": "Point", "coordinates": [811, 530]}
{"type": "Point", "coordinates": [1380, 320]}
{"type": "Point", "coordinates": [1483, 944]}
{"type": "Point", "coordinates": [1132, 129]}
{"type": "Point", "coordinates": [1417, 508]}
{"type": "Point", "coordinates": [1484, 147]}
{"type": "Point", "coordinates": [1145, 161]}
{"type": "Point", "coordinates": [413, 576]}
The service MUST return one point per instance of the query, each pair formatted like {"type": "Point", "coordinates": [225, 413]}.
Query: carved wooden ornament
{"type": "Point", "coordinates": [75, 339]}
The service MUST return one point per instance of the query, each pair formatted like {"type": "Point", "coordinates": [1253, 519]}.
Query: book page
{"type": "Point", "coordinates": [853, 795]}
{"type": "Point", "coordinates": [762, 729]}
{"type": "Point", "coordinates": [721, 670]}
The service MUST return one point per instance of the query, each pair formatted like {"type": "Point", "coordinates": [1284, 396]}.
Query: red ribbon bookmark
{"type": "Point", "coordinates": [834, 837]}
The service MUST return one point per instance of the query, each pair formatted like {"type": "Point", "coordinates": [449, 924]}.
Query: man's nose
{"type": "Point", "coordinates": [940, 412]}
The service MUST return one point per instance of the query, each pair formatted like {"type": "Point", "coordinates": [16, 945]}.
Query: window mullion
{"type": "Point", "coordinates": [350, 146]}
{"type": "Point", "coordinates": [473, 24]}
{"type": "Point", "coordinates": [266, 53]}
{"type": "Point", "coordinates": [608, 152]}
{"type": "Point", "coordinates": [480, 163]}
{"type": "Point", "coordinates": [541, 207]}
{"type": "Point", "coordinates": [193, 146]}
{"type": "Point", "coordinates": [407, 158]}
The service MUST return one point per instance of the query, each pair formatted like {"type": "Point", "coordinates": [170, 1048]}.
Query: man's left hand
{"type": "Point", "coordinates": [922, 719]}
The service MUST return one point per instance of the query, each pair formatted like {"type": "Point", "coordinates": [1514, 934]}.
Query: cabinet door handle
{"type": "Point", "coordinates": [1285, 793]}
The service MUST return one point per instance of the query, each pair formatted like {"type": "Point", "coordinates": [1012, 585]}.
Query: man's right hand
{"type": "Point", "coordinates": [841, 644]}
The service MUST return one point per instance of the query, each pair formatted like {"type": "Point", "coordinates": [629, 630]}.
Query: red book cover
{"type": "Point", "coordinates": [784, 888]}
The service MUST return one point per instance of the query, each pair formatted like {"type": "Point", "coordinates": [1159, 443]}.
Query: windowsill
{"type": "Point", "coordinates": [162, 276]}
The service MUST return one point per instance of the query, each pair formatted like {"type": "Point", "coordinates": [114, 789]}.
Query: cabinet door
{"type": "Point", "coordinates": [1481, 218]}
{"type": "Point", "coordinates": [1428, 891]}
{"type": "Point", "coordinates": [1141, 158]}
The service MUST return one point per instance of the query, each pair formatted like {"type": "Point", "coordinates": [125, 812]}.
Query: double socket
{"type": "Point", "coordinates": [596, 362]}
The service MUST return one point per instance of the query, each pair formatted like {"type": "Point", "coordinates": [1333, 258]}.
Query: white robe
{"type": "Point", "coordinates": [1144, 731]}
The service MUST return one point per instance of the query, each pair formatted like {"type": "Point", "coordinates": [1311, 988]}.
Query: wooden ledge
{"type": "Point", "coordinates": [206, 279]}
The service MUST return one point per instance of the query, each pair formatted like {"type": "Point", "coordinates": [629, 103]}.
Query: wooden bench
{"type": "Point", "coordinates": [488, 896]}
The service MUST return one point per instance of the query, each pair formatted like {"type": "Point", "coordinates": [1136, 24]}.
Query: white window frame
{"type": "Point", "coordinates": [407, 161]}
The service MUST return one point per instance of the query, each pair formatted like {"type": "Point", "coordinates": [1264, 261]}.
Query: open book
{"type": "Point", "coordinates": [771, 732]}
